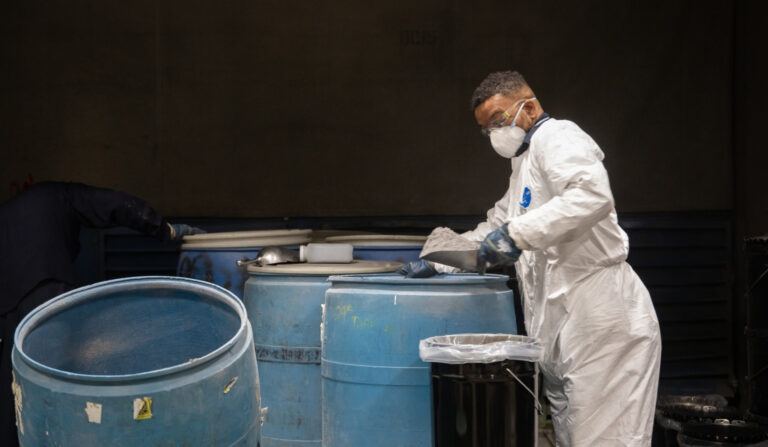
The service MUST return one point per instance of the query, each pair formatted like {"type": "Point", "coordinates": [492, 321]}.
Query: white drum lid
{"type": "Point", "coordinates": [356, 267]}
{"type": "Point", "coordinates": [235, 239]}
{"type": "Point", "coordinates": [362, 240]}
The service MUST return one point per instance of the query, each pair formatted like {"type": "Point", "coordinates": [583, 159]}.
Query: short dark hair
{"type": "Point", "coordinates": [500, 82]}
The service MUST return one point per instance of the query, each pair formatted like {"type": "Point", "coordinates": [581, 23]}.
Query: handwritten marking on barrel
{"type": "Point", "coordinates": [17, 402]}
{"type": "Point", "coordinates": [361, 322]}
{"type": "Point", "coordinates": [342, 311]}
{"type": "Point", "coordinates": [142, 408]}
{"type": "Point", "coordinates": [93, 411]}
{"type": "Point", "coordinates": [292, 354]}
{"type": "Point", "coordinates": [230, 384]}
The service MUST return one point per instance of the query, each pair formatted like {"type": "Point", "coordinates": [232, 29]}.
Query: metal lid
{"type": "Point", "coordinates": [396, 280]}
{"type": "Point", "coordinates": [378, 239]}
{"type": "Point", "coordinates": [306, 268]}
{"type": "Point", "coordinates": [233, 239]}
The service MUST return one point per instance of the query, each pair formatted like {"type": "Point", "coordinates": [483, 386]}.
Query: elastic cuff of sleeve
{"type": "Point", "coordinates": [517, 237]}
{"type": "Point", "coordinates": [442, 268]}
{"type": "Point", "coordinates": [168, 232]}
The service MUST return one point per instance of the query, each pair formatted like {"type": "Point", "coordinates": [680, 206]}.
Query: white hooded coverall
{"type": "Point", "coordinates": [593, 315]}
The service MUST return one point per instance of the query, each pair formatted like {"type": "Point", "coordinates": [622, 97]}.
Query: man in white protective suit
{"type": "Point", "coordinates": [558, 226]}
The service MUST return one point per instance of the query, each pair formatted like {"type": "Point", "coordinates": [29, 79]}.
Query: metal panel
{"type": "Point", "coordinates": [685, 260]}
{"type": "Point", "coordinates": [128, 253]}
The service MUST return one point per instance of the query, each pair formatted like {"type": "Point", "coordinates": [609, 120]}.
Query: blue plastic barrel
{"type": "Point", "coordinates": [376, 389]}
{"type": "Point", "coordinates": [213, 257]}
{"type": "Point", "coordinates": [382, 247]}
{"type": "Point", "coordinates": [145, 361]}
{"type": "Point", "coordinates": [284, 306]}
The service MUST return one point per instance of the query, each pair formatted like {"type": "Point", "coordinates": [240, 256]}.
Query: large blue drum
{"type": "Point", "coordinates": [284, 305]}
{"type": "Point", "coordinates": [146, 361]}
{"type": "Point", "coordinates": [382, 247]}
{"type": "Point", "coordinates": [376, 389]}
{"type": "Point", "coordinates": [213, 257]}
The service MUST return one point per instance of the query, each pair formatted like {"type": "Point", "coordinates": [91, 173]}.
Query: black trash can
{"type": "Point", "coordinates": [481, 396]}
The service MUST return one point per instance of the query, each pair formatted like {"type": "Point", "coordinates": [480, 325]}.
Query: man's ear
{"type": "Point", "coordinates": [530, 111]}
{"type": "Point", "coordinates": [530, 107]}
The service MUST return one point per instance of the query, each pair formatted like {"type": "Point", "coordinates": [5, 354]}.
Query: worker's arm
{"type": "Point", "coordinates": [573, 168]}
{"type": "Point", "coordinates": [106, 208]}
{"type": "Point", "coordinates": [496, 217]}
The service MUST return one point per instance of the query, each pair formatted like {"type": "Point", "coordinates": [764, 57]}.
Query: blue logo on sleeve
{"type": "Point", "coordinates": [526, 197]}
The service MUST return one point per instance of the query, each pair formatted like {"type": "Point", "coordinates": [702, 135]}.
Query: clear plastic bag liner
{"type": "Point", "coordinates": [479, 348]}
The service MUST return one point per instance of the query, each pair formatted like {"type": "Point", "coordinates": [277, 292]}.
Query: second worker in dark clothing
{"type": "Point", "coordinates": [39, 241]}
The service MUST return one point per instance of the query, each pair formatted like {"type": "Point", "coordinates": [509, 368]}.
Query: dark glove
{"type": "Point", "coordinates": [497, 249]}
{"type": "Point", "coordinates": [417, 269]}
{"type": "Point", "coordinates": [178, 231]}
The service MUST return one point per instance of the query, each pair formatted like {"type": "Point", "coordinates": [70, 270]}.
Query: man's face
{"type": "Point", "coordinates": [491, 113]}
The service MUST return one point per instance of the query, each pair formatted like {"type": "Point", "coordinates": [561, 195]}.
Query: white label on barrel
{"type": "Point", "coordinates": [18, 405]}
{"type": "Point", "coordinates": [94, 412]}
{"type": "Point", "coordinates": [142, 408]}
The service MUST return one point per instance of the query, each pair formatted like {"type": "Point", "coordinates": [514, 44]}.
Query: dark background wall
{"type": "Point", "coordinates": [750, 205]}
{"type": "Point", "coordinates": [282, 109]}
{"type": "Point", "coordinates": [253, 109]}
{"type": "Point", "coordinates": [749, 117]}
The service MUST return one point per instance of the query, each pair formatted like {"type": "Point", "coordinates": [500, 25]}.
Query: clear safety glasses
{"type": "Point", "coordinates": [504, 117]}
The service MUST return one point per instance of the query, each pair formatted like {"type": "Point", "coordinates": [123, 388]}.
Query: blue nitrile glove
{"type": "Point", "coordinates": [417, 269]}
{"type": "Point", "coordinates": [497, 249]}
{"type": "Point", "coordinates": [178, 231]}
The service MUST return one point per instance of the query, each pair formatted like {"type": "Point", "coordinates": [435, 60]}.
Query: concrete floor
{"type": "Point", "coordinates": [546, 433]}
{"type": "Point", "coordinates": [546, 437]}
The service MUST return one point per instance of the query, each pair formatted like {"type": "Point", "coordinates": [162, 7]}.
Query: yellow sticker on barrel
{"type": "Point", "coordinates": [230, 384]}
{"type": "Point", "coordinates": [142, 408]}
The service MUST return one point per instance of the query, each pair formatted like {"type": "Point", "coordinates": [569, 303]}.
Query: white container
{"type": "Point", "coordinates": [326, 253]}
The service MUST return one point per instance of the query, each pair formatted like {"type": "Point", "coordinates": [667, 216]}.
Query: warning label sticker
{"type": "Point", "coordinates": [142, 408]}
